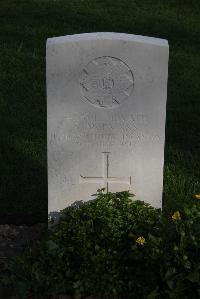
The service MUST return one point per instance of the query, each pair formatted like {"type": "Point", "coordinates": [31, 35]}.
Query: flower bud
{"type": "Point", "coordinates": [185, 257]}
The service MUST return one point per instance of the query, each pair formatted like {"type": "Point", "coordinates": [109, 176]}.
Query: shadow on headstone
{"type": "Point", "coordinates": [55, 216]}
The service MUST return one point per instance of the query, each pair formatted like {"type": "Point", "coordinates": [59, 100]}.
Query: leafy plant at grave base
{"type": "Point", "coordinates": [114, 247]}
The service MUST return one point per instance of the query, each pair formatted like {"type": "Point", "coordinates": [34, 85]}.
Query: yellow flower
{"type": "Point", "coordinates": [140, 241]}
{"type": "Point", "coordinates": [176, 216]}
{"type": "Point", "coordinates": [197, 196]}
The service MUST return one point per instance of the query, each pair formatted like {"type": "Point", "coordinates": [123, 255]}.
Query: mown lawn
{"type": "Point", "coordinates": [24, 27]}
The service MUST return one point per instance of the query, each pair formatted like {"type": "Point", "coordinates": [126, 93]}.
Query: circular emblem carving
{"type": "Point", "coordinates": [106, 82]}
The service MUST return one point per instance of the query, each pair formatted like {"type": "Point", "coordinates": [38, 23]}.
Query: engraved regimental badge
{"type": "Point", "coordinates": [106, 82]}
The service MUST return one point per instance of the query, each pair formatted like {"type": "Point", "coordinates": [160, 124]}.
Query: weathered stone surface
{"type": "Point", "coordinates": [106, 103]}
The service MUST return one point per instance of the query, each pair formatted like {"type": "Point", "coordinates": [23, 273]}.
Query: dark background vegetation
{"type": "Point", "coordinates": [24, 27]}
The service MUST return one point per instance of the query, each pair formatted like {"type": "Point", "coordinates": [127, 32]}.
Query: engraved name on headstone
{"type": "Point", "coordinates": [106, 105]}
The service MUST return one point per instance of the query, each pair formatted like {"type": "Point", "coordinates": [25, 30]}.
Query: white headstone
{"type": "Point", "coordinates": [106, 105]}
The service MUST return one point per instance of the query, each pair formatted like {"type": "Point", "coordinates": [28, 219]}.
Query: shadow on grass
{"type": "Point", "coordinates": [23, 193]}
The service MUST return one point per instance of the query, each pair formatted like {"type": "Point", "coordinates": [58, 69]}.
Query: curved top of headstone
{"type": "Point", "coordinates": [108, 35]}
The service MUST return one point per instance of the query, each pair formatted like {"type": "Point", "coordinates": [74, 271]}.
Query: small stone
{"type": "Point", "coordinates": [6, 227]}
{"type": "Point", "coordinates": [65, 297]}
{"type": "Point", "coordinates": [15, 232]}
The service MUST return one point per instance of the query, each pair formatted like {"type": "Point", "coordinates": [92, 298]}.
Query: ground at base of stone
{"type": "Point", "coordinates": [13, 241]}
{"type": "Point", "coordinates": [15, 238]}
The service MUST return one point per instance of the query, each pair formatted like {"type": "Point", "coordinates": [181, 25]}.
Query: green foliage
{"type": "Point", "coordinates": [114, 247]}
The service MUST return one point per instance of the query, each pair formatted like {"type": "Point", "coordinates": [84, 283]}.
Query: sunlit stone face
{"type": "Point", "coordinates": [106, 103]}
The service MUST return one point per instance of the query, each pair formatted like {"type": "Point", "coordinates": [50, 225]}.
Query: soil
{"type": "Point", "coordinates": [13, 241]}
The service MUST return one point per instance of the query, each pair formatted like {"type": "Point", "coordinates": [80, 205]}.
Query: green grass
{"type": "Point", "coordinates": [24, 27]}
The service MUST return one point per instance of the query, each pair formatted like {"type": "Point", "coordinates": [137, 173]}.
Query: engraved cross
{"type": "Point", "coordinates": [105, 179]}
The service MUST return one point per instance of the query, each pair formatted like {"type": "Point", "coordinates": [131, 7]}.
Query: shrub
{"type": "Point", "coordinates": [114, 247]}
